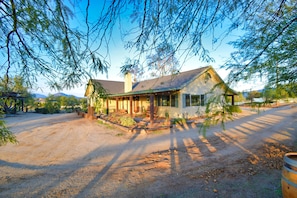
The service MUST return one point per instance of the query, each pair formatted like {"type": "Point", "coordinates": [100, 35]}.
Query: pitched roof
{"type": "Point", "coordinates": [165, 83]}
{"type": "Point", "coordinates": [111, 87]}
{"type": "Point", "coordinates": [171, 82]}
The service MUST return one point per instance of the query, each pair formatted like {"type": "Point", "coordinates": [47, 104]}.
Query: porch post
{"type": "Point", "coordinates": [22, 104]}
{"type": "Point", "coordinates": [117, 104]}
{"type": "Point", "coordinates": [130, 102]}
{"type": "Point", "coordinates": [232, 100]}
{"type": "Point", "coordinates": [152, 109]}
{"type": "Point", "coordinates": [15, 106]}
{"type": "Point", "coordinates": [107, 107]}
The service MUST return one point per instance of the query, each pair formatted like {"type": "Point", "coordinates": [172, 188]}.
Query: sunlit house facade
{"type": "Point", "coordinates": [184, 94]}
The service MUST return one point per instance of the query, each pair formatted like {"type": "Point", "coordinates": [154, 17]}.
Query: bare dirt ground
{"type": "Point", "coordinates": [64, 155]}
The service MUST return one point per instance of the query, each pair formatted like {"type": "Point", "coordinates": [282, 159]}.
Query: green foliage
{"type": "Point", "coordinates": [267, 49]}
{"type": "Point", "coordinates": [281, 92]}
{"type": "Point", "coordinates": [99, 96]}
{"type": "Point", "coordinates": [256, 106]}
{"type": "Point", "coordinates": [291, 88]}
{"type": "Point", "coordinates": [180, 121]}
{"type": "Point", "coordinates": [98, 105]}
{"type": "Point", "coordinates": [127, 121]}
{"type": "Point", "coordinates": [156, 132]}
{"type": "Point", "coordinates": [6, 136]}
{"type": "Point", "coordinates": [166, 115]}
{"type": "Point", "coordinates": [121, 119]}
{"type": "Point", "coordinates": [41, 110]}
{"type": "Point", "coordinates": [269, 94]}
{"type": "Point", "coordinates": [253, 94]}
{"type": "Point", "coordinates": [51, 105]}
{"type": "Point", "coordinates": [29, 102]}
{"type": "Point", "coordinates": [100, 122]}
{"type": "Point", "coordinates": [163, 61]}
{"type": "Point", "coordinates": [56, 104]}
{"type": "Point", "coordinates": [119, 134]}
{"type": "Point", "coordinates": [234, 109]}
{"type": "Point", "coordinates": [64, 55]}
{"type": "Point", "coordinates": [38, 39]}
{"type": "Point", "coordinates": [14, 86]}
{"type": "Point", "coordinates": [69, 104]}
{"type": "Point", "coordinates": [134, 67]}
{"type": "Point", "coordinates": [83, 104]}
{"type": "Point", "coordinates": [108, 126]}
{"type": "Point", "coordinates": [239, 98]}
{"type": "Point", "coordinates": [217, 112]}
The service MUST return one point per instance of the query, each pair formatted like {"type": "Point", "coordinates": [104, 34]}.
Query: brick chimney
{"type": "Point", "coordinates": [128, 82]}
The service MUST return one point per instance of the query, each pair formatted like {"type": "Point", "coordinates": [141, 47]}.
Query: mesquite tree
{"type": "Point", "coordinates": [39, 38]}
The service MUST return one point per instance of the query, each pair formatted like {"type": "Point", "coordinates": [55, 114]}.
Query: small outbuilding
{"type": "Point", "coordinates": [11, 102]}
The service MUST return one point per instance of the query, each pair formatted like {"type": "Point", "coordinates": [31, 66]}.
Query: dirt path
{"type": "Point", "coordinates": [68, 156]}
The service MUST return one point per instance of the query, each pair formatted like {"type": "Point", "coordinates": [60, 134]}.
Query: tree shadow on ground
{"type": "Point", "coordinates": [185, 152]}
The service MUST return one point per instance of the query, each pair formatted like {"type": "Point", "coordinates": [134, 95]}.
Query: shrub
{"type": "Point", "coordinates": [235, 109]}
{"type": "Point", "coordinates": [41, 110]}
{"type": "Point", "coordinates": [127, 121]}
{"type": "Point", "coordinates": [166, 115]}
{"type": "Point", "coordinates": [6, 135]}
{"type": "Point", "coordinates": [47, 110]}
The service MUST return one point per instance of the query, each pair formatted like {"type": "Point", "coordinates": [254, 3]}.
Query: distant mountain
{"type": "Point", "coordinates": [36, 95]}
{"type": "Point", "coordinates": [61, 94]}
{"type": "Point", "coordinates": [65, 95]}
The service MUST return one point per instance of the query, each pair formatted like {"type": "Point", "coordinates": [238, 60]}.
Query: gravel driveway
{"type": "Point", "coordinates": [64, 155]}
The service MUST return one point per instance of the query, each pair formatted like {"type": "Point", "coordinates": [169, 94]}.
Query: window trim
{"type": "Point", "coordinates": [169, 100]}
{"type": "Point", "coordinates": [175, 96]}
{"type": "Point", "coordinates": [188, 100]}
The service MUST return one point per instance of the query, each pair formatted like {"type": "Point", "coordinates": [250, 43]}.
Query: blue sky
{"type": "Point", "coordinates": [118, 54]}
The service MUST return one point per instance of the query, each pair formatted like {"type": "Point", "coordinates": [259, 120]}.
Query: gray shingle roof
{"type": "Point", "coordinates": [111, 87]}
{"type": "Point", "coordinates": [168, 83]}
{"type": "Point", "coordinates": [165, 83]}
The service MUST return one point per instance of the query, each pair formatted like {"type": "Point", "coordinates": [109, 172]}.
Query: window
{"type": "Point", "coordinates": [202, 97]}
{"type": "Point", "coordinates": [168, 100]}
{"type": "Point", "coordinates": [163, 100]}
{"type": "Point", "coordinates": [186, 100]}
{"type": "Point", "coordinates": [197, 100]}
{"type": "Point", "coordinates": [193, 100]}
{"type": "Point", "coordinates": [174, 100]}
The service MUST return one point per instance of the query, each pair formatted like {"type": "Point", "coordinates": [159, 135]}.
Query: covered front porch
{"type": "Point", "coordinates": [134, 105]}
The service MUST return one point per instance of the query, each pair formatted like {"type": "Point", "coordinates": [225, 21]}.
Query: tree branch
{"type": "Point", "coordinates": [265, 47]}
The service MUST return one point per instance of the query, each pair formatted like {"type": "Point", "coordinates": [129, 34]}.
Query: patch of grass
{"type": "Point", "coordinates": [119, 134]}
{"type": "Point", "coordinates": [156, 132]}
{"type": "Point", "coordinates": [101, 122]}
{"type": "Point", "coordinates": [180, 121]}
{"type": "Point", "coordinates": [108, 126]}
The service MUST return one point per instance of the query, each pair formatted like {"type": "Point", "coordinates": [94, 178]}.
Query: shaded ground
{"type": "Point", "coordinates": [68, 156]}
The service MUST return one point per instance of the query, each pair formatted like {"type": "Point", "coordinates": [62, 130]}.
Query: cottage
{"type": "Point", "coordinates": [179, 95]}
